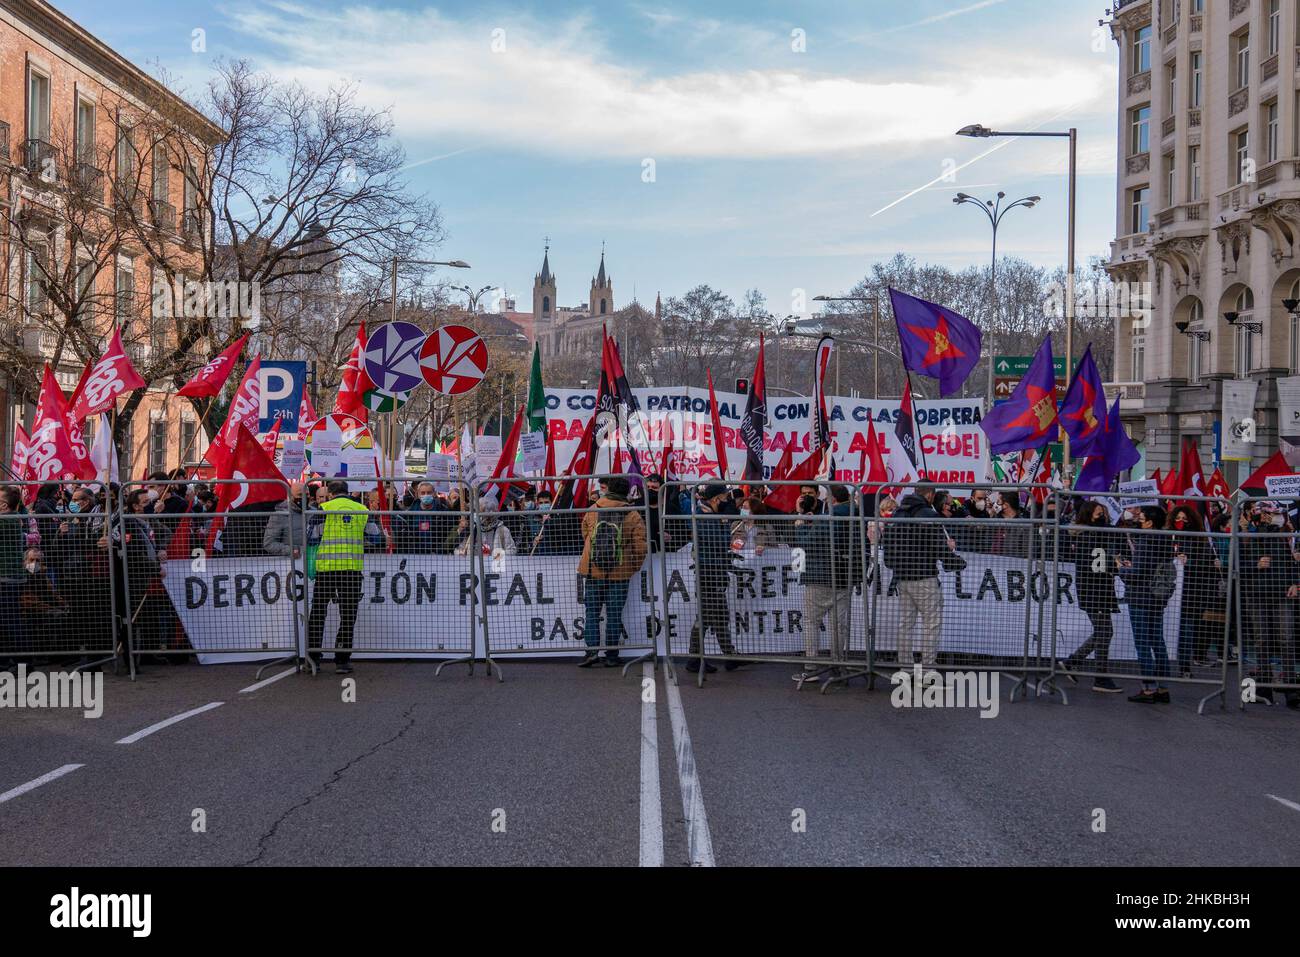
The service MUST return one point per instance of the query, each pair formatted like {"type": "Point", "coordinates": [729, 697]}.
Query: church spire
{"type": "Point", "coordinates": [600, 276]}
{"type": "Point", "coordinates": [546, 263]}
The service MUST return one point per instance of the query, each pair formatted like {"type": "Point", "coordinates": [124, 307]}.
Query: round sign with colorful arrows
{"type": "Point", "coordinates": [377, 401]}
{"type": "Point", "coordinates": [454, 359]}
{"type": "Point", "coordinates": [392, 357]}
{"type": "Point", "coordinates": [338, 441]}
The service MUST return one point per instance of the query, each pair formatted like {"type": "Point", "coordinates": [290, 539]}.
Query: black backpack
{"type": "Point", "coordinates": [607, 544]}
{"type": "Point", "coordinates": [1163, 582]}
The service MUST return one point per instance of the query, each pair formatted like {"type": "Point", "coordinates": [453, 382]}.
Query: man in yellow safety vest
{"type": "Point", "coordinates": [338, 573]}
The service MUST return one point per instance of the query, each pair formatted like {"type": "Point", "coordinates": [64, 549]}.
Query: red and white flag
{"type": "Point", "coordinates": [272, 438]}
{"type": "Point", "coordinates": [1217, 486]}
{"type": "Point", "coordinates": [50, 456]}
{"type": "Point", "coordinates": [209, 380]}
{"type": "Point", "coordinates": [245, 464]}
{"type": "Point", "coordinates": [306, 412]}
{"type": "Point", "coordinates": [351, 396]}
{"type": "Point", "coordinates": [112, 375]}
{"type": "Point", "coordinates": [244, 410]}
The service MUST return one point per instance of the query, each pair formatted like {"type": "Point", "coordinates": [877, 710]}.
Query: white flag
{"type": "Point", "coordinates": [104, 455]}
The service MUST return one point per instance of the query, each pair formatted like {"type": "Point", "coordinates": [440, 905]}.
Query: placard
{"type": "Point", "coordinates": [533, 447]}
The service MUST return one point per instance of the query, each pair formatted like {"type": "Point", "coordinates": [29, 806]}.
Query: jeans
{"type": "Point", "coordinates": [611, 595]}
{"type": "Point", "coordinates": [1099, 644]}
{"type": "Point", "coordinates": [1149, 640]}
{"type": "Point", "coordinates": [921, 599]}
{"type": "Point", "coordinates": [818, 601]}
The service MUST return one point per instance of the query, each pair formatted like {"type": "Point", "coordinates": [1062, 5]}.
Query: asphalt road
{"type": "Point", "coordinates": [561, 766]}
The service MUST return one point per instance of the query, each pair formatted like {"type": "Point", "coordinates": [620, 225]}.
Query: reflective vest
{"type": "Point", "coordinates": [343, 538]}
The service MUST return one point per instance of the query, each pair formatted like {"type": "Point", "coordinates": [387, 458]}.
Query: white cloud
{"type": "Point", "coordinates": [557, 90]}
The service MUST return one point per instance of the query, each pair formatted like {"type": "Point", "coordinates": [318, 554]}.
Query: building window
{"type": "Point", "coordinates": [86, 133]}
{"type": "Point", "coordinates": [1139, 358]}
{"type": "Point", "coordinates": [158, 445]}
{"type": "Point", "coordinates": [1245, 306]}
{"type": "Point", "coordinates": [1141, 50]}
{"type": "Point", "coordinates": [546, 305]}
{"type": "Point", "coordinates": [1241, 154]}
{"type": "Point", "coordinates": [1272, 131]}
{"type": "Point", "coordinates": [602, 307]}
{"type": "Point", "coordinates": [1193, 174]}
{"type": "Point", "coordinates": [1196, 348]}
{"type": "Point", "coordinates": [1241, 52]}
{"type": "Point", "coordinates": [161, 168]}
{"type": "Point", "coordinates": [37, 300]}
{"type": "Point", "coordinates": [123, 297]}
{"type": "Point", "coordinates": [1194, 90]}
{"type": "Point", "coordinates": [189, 436]}
{"type": "Point", "coordinates": [85, 288]}
{"type": "Point", "coordinates": [1274, 26]}
{"type": "Point", "coordinates": [1139, 130]}
{"type": "Point", "coordinates": [126, 158]}
{"type": "Point", "coordinates": [38, 107]}
{"type": "Point", "coordinates": [1172, 88]}
{"type": "Point", "coordinates": [1169, 179]}
{"type": "Point", "coordinates": [1140, 209]}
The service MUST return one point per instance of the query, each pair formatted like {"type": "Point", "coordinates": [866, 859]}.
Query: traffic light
{"type": "Point", "coordinates": [742, 386]}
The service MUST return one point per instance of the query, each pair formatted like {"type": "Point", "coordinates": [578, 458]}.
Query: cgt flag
{"type": "Point", "coordinates": [754, 423]}
{"type": "Point", "coordinates": [934, 341]}
{"type": "Point", "coordinates": [1025, 420]}
{"type": "Point", "coordinates": [209, 380]}
{"type": "Point", "coordinates": [112, 375]}
{"type": "Point", "coordinates": [1084, 410]}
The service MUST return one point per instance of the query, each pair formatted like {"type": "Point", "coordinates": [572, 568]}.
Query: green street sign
{"type": "Point", "coordinates": [1019, 365]}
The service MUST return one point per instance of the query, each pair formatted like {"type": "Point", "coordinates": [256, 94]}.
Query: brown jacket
{"type": "Point", "coordinates": [633, 541]}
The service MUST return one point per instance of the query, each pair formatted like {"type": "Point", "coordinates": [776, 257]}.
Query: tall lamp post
{"type": "Point", "coordinates": [875, 362]}
{"type": "Point", "coordinates": [789, 331]}
{"type": "Point", "coordinates": [454, 264]}
{"type": "Point", "coordinates": [994, 210]}
{"type": "Point", "coordinates": [1072, 134]}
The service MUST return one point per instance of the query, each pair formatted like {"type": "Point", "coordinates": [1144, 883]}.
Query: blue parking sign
{"type": "Point", "coordinates": [281, 395]}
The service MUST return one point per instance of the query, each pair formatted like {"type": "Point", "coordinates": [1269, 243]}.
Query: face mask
{"type": "Point", "coordinates": [543, 506]}
{"type": "Point", "coordinates": [1180, 523]}
{"type": "Point", "coordinates": [74, 507]}
{"type": "Point", "coordinates": [33, 567]}
{"type": "Point", "coordinates": [1128, 516]}
{"type": "Point", "coordinates": [426, 499]}
{"type": "Point", "coordinates": [979, 504]}
{"type": "Point", "coordinates": [151, 495]}
{"type": "Point", "coordinates": [745, 511]}
{"type": "Point", "coordinates": [1277, 519]}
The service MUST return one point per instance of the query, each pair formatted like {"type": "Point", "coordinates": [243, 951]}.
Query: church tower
{"type": "Point", "coordinates": [602, 290]}
{"type": "Point", "coordinates": [544, 305]}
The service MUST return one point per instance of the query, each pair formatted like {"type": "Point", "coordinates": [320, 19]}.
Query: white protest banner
{"type": "Point", "coordinates": [438, 470]}
{"type": "Point", "coordinates": [1288, 419]}
{"type": "Point", "coordinates": [1238, 434]}
{"type": "Point", "coordinates": [533, 447]}
{"type": "Point", "coordinates": [291, 458]}
{"type": "Point", "coordinates": [1282, 486]}
{"type": "Point", "coordinates": [956, 453]}
{"type": "Point", "coordinates": [487, 452]}
{"type": "Point", "coordinates": [1139, 493]}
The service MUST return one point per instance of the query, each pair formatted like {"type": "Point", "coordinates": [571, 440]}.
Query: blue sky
{"type": "Point", "coordinates": [773, 167]}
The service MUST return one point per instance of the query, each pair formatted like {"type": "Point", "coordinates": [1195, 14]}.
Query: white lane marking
{"type": "Point", "coordinates": [268, 681]}
{"type": "Point", "coordinates": [699, 843]}
{"type": "Point", "coordinates": [1291, 804]}
{"type": "Point", "coordinates": [652, 818]}
{"type": "Point", "coordinates": [37, 782]}
{"type": "Point", "coordinates": [145, 732]}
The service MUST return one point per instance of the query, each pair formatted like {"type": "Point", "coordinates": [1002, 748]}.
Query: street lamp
{"type": "Point", "coordinates": [472, 295]}
{"type": "Point", "coordinates": [789, 330]}
{"type": "Point", "coordinates": [994, 210]}
{"type": "Point", "coordinates": [1072, 134]}
{"type": "Point", "coordinates": [454, 264]}
{"type": "Point", "coordinates": [875, 362]}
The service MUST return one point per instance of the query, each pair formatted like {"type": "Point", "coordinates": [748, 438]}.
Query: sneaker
{"type": "Point", "coordinates": [1143, 697]}
{"type": "Point", "coordinates": [343, 669]}
{"type": "Point", "coordinates": [1067, 668]}
{"type": "Point", "coordinates": [1187, 674]}
{"type": "Point", "coordinates": [693, 666]}
{"type": "Point", "coordinates": [1106, 686]}
{"type": "Point", "coordinates": [1161, 696]}
{"type": "Point", "coordinates": [613, 662]}
{"type": "Point", "coordinates": [589, 659]}
{"type": "Point", "coordinates": [803, 676]}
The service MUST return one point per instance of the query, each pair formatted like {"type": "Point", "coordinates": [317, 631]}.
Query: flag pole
{"type": "Point", "coordinates": [920, 446]}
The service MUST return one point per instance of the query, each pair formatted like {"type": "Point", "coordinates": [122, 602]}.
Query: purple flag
{"type": "Point", "coordinates": [1027, 420]}
{"type": "Point", "coordinates": [1116, 452]}
{"type": "Point", "coordinates": [1083, 413]}
{"type": "Point", "coordinates": [934, 341]}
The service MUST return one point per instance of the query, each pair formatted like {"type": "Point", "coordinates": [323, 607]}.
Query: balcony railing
{"type": "Point", "coordinates": [192, 225]}
{"type": "Point", "coordinates": [1131, 395]}
{"type": "Point", "coordinates": [39, 159]}
{"type": "Point", "coordinates": [90, 180]}
{"type": "Point", "coordinates": [1168, 126]}
{"type": "Point", "coordinates": [1171, 33]}
{"type": "Point", "coordinates": [1235, 198]}
{"type": "Point", "coordinates": [163, 214]}
{"type": "Point", "coordinates": [1268, 69]}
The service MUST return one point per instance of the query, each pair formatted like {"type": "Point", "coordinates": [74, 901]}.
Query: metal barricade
{"type": "Point", "coordinates": [415, 595]}
{"type": "Point", "coordinates": [558, 581]}
{"type": "Point", "coordinates": [56, 583]}
{"type": "Point", "coordinates": [198, 583]}
{"type": "Point", "coordinates": [1148, 596]}
{"type": "Point", "coordinates": [966, 592]}
{"type": "Point", "coordinates": [1266, 602]}
{"type": "Point", "coordinates": [768, 585]}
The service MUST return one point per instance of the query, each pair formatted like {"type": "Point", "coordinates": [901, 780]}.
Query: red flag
{"type": "Point", "coordinates": [1217, 487]}
{"type": "Point", "coordinates": [112, 375]}
{"type": "Point", "coordinates": [306, 412]}
{"type": "Point", "coordinates": [355, 383]}
{"type": "Point", "coordinates": [385, 521]}
{"type": "Point", "coordinates": [783, 498]}
{"type": "Point", "coordinates": [573, 491]}
{"type": "Point", "coordinates": [1170, 485]}
{"type": "Point", "coordinates": [1193, 479]}
{"type": "Point", "coordinates": [212, 377]}
{"type": "Point", "coordinates": [719, 446]}
{"type": "Point", "coordinates": [272, 439]}
{"type": "Point", "coordinates": [1276, 465]}
{"type": "Point", "coordinates": [549, 468]}
{"type": "Point", "coordinates": [86, 468]}
{"type": "Point", "coordinates": [505, 467]}
{"type": "Point", "coordinates": [875, 474]}
{"type": "Point", "coordinates": [50, 456]}
{"type": "Point", "coordinates": [246, 461]}
{"type": "Point", "coordinates": [179, 546]}
{"type": "Point", "coordinates": [244, 410]}
{"type": "Point", "coordinates": [21, 468]}
{"type": "Point", "coordinates": [754, 423]}
{"type": "Point", "coordinates": [667, 469]}
{"type": "Point", "coordinates": [1155, 477]}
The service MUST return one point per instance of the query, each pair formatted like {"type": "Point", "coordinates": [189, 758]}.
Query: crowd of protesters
{"type": "Point", "coordinates": [55, 550]}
